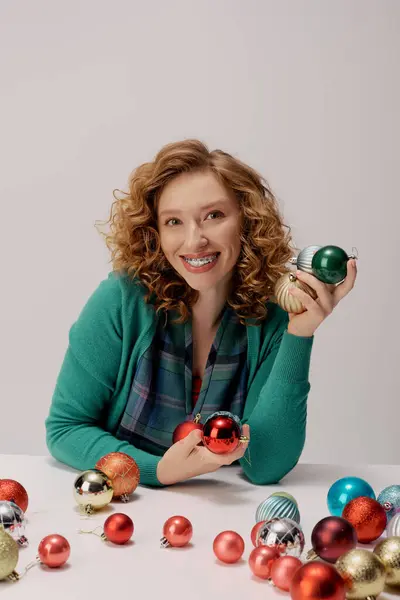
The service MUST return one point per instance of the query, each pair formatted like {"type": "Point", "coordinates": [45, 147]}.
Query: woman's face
{"type": "Point", "coordinates": [199, 223]}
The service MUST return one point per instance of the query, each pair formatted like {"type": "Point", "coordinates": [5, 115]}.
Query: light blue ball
{"type": "Point", "coordinates": [344, 490]}
{"type": "Point", "coordinates": [280, 507]}
{"type": "Point", "coordinates": [390, 500]}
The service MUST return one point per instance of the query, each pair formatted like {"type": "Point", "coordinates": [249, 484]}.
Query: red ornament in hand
{"type": "Point", "coordinates": [331, 538]}
{"type": "Point", "coordinates": [261, 560]}
{"type": "Point", "coordinates": [222, 433]}
{"type": "Point", "coordinates": [228, 546]}
{"type": "Point", "coordinates": [13, 491]}
{"type": "Point", "coordinates": [183, 429]}
{"type": "Point", "coordinates": [123, 472]}
{"type": "Point", "coordinates": [317, 581]}
{"type": "Point", "coordinates": [177, 532]}
{"type": "Point", "coordinates": [283, 570]}
{"type": "Point", "coordinates": [54, 550]}
{"type": "Point", "coordinates": [367, 516]}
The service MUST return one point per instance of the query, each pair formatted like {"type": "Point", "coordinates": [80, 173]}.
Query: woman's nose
{"type": "Point", "coordinates": [195, 237]}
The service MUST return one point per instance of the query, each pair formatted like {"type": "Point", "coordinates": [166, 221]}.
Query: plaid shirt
{"type": "Point", "coordinates": [164, 393]}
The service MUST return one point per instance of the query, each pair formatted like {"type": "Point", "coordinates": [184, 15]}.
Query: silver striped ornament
{"type": "Point", "coordinates": [303, 260]}
{"type": "Point", "coordinates": [393, 528]}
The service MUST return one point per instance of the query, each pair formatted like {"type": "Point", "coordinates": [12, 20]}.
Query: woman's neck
{"type": "Point", "coordinates": [208, 308]}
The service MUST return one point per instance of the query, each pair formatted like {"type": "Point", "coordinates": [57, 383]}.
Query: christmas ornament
{"type": "Point", "coordinates": [222, 433]}
{"type": "Point", "coordinates": [283, 570]}
{"type": "Point", "coordinates": [54, 550]}
{"type": "Point", "coordinates": [93, 490]}
{"type": "Point", "coordinates": [9, 554]}
{"type": "Point", "coordinates": [329, 264]}
{"type": "Point", "coordinates": [286, 301]}
{"type": "Point", "coordinates": [284, 534]}
{"type": "Point", "coordinates": [389, 553]}
{"type": "Point", "coordinates": [332, 537]}
{"type": "Point", "coordinates": [303, 261]}
{"type": "Point", "coordinates": [254, 532]}
{"type": "Point", "coordinates": [177, 532]}
{"type": "Point", "coordinates": [228, 546]}
{"type": "Point", "coordinates": [317, 581]}
{"type": "Point", "coordinates": [123, 472]}
{"type": "Point", "coordinates": [13, 491]}
{"type": "Point", "coordinates": [118, 529]}
{"type": "Point", "coordinates": [13, 520]}
{"type": "Point", "coordinates": [344, 490]}
{"type": "Point", "coordinates": [390, 500]}
{"type": "Point", "coordinates": [368, 518]}
{"type": "Point", "coordinates": [363, 574]}
{"type": "Point", "coordinates": [280, 506]}
{"type": "Point", "coordinates": [393, 528]}
{"type": "Point", "coordinates": [261, 560]}
{"type": "Point", "coordinates": [183, 429]}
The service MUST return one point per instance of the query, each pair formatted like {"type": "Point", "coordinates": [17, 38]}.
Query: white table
{"type": "Point", "coordinates": [213, 503]}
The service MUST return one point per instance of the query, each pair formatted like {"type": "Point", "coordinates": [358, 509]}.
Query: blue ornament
{"type": "Point", "coordinates": [278, 506]}
{"type": "Point", "coordinates": [390, 500]}
{"type": "Point", "coordinates": [344, 490]}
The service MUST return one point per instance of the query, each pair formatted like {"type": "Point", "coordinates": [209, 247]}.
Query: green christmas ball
{"type": "Point", "coordinates": [329, 264]}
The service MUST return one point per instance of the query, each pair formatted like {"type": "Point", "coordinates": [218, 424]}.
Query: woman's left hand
{"type": "Point", "coordinates": [328, 297]}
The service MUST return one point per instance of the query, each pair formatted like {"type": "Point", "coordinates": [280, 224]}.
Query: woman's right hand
{"type": "Point", "coordinates": [186, 459]}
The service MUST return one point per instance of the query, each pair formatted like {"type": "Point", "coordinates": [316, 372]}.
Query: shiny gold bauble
{"type": "Point", "coordinates": [363, 573]}
{"type": "Point", "coordinates": [291, 304]}
{"type": "Point", "coordinates": [389, 552]}
{"type": "Point", "coordinates": [93, 490]}
{"type": "Point", "coordinates": [9, 553]}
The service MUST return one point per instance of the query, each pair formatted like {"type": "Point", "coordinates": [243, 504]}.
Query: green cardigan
{"type": "Point", "coordinates": [114, 329]}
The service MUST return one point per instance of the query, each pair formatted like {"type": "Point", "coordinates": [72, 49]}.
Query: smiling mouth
{"type": "Point", "coordinates": [200, 261]}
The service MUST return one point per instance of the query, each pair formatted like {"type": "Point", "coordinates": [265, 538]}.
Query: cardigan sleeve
{"type": "Point", "coordinates": [276, 410]}
{"type": "Point", "coordinates": [85, 385]}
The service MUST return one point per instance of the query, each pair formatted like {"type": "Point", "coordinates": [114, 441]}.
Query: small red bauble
{"type": "Point", "coordinates": [177, 532]}
{"type": "Point", "coordinates": [283, 570]}
{"type": "Point", "coordinates": [368, 518]}
{"type": "Point", "coordinates": [261, 560]}
{"type": "Point", "coordinates": [13, 491]}
{"type": "Point", "coordinates": [123, 472]}
{"type": "Point", "coordinates": [228, 546]}
{"type": "Point", "coordinates": [254, 532]}
{"type": "Point", "coordinates": [183, 429]}
{"type": "Point", "coordinates": [317, 581]}
{"type": "Point", "coordinates": [222, 433]}
{"type": "Point", "coordinates": [54, 550]}
{"type": "Point", "coordinates": [118, 528]}
{"type": "Point", "coordinates": [331, 538]}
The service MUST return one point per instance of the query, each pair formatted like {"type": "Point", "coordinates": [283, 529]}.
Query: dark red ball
{"type": "Point", "coordinates": [221, 434]}
{"type": "Point", "coordinates": [332, 537]}
{"type": "Point", "coordinates": [183, 429]}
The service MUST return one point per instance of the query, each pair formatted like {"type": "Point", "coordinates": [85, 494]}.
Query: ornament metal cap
{"type": "Point", "coordinates": [164, 543]}
{"type": "Point", "coordinates": [311, 555]}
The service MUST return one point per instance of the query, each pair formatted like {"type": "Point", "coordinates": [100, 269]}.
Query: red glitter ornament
{"type": "Point", "coordinates": [222, 433]}
{"type": "Point", "coordinates": [123, 472]}
{"type": "Point", "coordinates": [368, 518]}
{"type": "Point", "coordinates": [13, 491]}
{"type": "Point", "coordinates": [183, 429]}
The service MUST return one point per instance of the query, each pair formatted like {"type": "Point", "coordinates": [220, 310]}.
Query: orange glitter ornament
{"type": "Point", "coordinates": [123, 472]}
{"type": "Point", "coordinates": [367, 516]}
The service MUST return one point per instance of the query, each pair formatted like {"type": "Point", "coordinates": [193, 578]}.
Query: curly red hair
{"type": "Point", "coordinates": [134, 242]}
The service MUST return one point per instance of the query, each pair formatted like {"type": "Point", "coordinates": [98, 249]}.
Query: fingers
{"type": "Point", "coordinates": [240, 451]}
{"type": "Point", "coordinates": [323, 292]}
{"type": "Point", "coordinates": [187, 444]}
{"type": "Point", "coordinates": [347, 285]}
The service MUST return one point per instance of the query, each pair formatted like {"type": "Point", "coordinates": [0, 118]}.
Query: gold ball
{"type": "Point", "coordinates": [290, 303]}
{"type": "Point", "coordinates": [9, 553]}
{"type": "Point", "coordinates": [93, 490]}
{"type": "Point", "coordinates": [363, 573]}
{"type": "Point", "coordinates": [389, 552]}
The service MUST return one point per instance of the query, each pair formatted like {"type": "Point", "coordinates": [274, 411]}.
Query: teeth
{"type": "Point", "coordinates": [199, 262]}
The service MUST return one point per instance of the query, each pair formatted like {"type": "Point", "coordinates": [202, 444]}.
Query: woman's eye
{"type": "Point", "coordinates": [172, 222]}
{"type": "Point", "coordinates": [216, 214]}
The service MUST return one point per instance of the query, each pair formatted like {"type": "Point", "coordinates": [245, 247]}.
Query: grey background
{"type": "Point", "coordinates": [306, 91]}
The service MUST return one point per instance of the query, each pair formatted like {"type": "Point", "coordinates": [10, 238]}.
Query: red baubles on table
{"type": "Point", "coordinates": [183, 429]}
{"type": "Point", "coordinates": [331, 538]}
{"type": "Point", "coordinates": [123, 472]}
{"type": "Point", "coordinates": [368, 518]}
{"type": "Point", "coordinates": [317, 581]}
{"type": "Point", "coordinates": [54, 550]}
{"type": "Point", "coordinates": [177, 532]}
{"type": "Point", "coordinates": [261, 560]}
{"type": "Point", "coordinates": [13, 491]}
{"type": "Point", "coordinates": [228, 546]}
{"type": "Point", "coordinates": [283, 570]}
{"type": "Point", "coordinates": [118, 528]}
{"type": "Point", "coordinates": [222, 433]}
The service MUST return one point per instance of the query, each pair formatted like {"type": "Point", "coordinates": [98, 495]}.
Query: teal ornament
{"type": "Point", "coordinates": [303, 260]}
{"type": "Point", "coordinates": [390, 500]}
{"type": "Point", "coordinates": [329, 264]}
{"type": "Point", "coordinates": [278, 507]}
{"type": "Point", "coordinates": [344, 490]}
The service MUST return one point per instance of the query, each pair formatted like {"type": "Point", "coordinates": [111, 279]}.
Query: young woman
{"type": "Point", "coordinates": [185, 323]}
